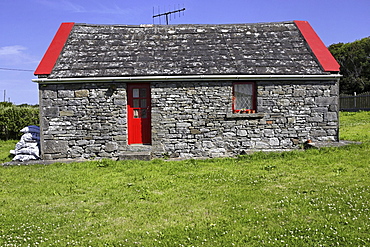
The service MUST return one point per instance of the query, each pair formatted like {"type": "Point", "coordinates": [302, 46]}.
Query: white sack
{"type": "Point", "coordinates": [22, 144]}
{"type": "Point", "coordinates": [24, 157]}
{"type": "Point", "coordinates": [29, 137]}
{"type": "Point", "coordinates": [31, 129]}
{"type": "Point", "coordinates": [30, 151]}
{"type": "Point", "coordinates": [28, 147]}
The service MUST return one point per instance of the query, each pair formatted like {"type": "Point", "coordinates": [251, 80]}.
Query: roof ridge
{"type": "Point", "coordinates": [185, 25]}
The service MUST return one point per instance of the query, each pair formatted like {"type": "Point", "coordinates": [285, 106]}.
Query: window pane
{"type": "Point", "coordinates": [136, 103]}
{"type": "Point", "coordinates": [144, 113]}
{"type": "Point", "coordinates": [243, 96]}
{"type": "Point", "coordinates": [142, 92]}
{"type": "Point", "coordinates": [143, 103]}
{"type": "Point", "coordinates": [135, 93]}
{"type": "Point", "coordinates": [136, 113]}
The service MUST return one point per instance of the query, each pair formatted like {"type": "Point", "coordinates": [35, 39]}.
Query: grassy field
{"type": "Point", "coordinates": [5, 147]}
{"type": "Point", "coordinates": [300, 198]}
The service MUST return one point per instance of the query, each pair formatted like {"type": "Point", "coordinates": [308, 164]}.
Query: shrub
{"type": "Point", "coordinates": [13, 118]}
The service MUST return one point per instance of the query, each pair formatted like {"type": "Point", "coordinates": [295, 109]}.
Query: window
{"type": "Point", "coordinates": [139, 100]}
{"type": "Point", "coordinates": [244, 97]}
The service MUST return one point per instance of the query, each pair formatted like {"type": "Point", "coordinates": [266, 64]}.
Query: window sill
{"type": "Point", "coordinates": [245, 115]}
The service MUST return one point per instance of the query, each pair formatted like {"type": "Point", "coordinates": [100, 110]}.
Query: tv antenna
{"type": "Point", "coordinates": [168, 14]}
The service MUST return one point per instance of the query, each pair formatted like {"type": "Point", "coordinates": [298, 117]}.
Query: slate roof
{"type": "Point", "coordinates": [248, 49]}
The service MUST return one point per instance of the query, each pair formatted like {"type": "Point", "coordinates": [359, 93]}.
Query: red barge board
{"type": "Point", "coordinates": [56, 46]}
{"type": "Point", "coordinates": [323, 55]}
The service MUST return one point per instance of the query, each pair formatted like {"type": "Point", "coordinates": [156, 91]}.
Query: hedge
{"type": "Point", "coordinates": [14, 118]}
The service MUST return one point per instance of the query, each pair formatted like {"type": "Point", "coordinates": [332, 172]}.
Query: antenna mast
{"type": "Point", "coordinates": [169, 13]}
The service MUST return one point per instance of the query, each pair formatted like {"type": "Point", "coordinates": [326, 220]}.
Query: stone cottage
{"type": "Point", "coordinates": [111, 91]}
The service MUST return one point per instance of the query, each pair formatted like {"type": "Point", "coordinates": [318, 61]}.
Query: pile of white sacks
{"type": "Point", "coordinates": [28, 147]}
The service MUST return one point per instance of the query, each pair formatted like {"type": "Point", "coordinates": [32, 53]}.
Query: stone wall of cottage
{"type": "Point", "coordinates": [194, 119]}
{"type": "Point", "coordinates": [189, 119]}
{"type": "Point", "coordinates": [82, 120]}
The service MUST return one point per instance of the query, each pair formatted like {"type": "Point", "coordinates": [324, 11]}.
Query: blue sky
{"type": "Point", "coordinates": [28, 26]}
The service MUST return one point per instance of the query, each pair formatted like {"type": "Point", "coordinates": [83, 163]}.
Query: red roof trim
{"type": "Point", "coordinates": [326, 59]}
{"type": "Point", "coordinates": [56, 46]}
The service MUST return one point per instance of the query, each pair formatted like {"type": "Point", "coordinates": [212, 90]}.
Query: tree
{"type": "Point", "coordinates": [354, 59]}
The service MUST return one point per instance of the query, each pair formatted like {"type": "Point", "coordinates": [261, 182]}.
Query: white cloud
{"type": "Point", "coordinates": [73, 7]}
{"type": "Point", "coordinates": [11, 50]}
{"type": "Point", "coordinates": [15, 55]}
{"type": "Point", "coordinates": [63, 5]}
{"type": "Point", "coordinates": [92, 7]}
{"type": "Point", "coordinates": [104, 9]}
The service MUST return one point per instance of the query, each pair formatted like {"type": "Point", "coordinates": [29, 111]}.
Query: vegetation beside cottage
{"type": "Point", "coordinates": [312, 198]}
{"type": "Point", "coordinates": [354, 63]}
{"type": "Point", "coordinates": [13, 118]}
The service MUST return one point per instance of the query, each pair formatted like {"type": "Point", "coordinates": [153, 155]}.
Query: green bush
{"type": "Point", "coordinates": [14, 118]}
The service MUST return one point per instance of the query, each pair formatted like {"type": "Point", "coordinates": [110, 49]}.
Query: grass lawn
{"type": "Point", "coordinates": [5, 147]}
{"type": "Point", "coordinates": [300, 198]}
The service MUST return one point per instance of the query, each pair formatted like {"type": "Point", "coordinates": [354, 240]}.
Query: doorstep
{"type": "Point", "coordinates": [143, 155]}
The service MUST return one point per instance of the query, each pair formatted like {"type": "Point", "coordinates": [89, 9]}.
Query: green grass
{"type": "Point", "coordinates": [355, 126]}
{"type": "Point", "coordinates": [5, 147]}
{"type": "Point", "coordinates": [311, 198]}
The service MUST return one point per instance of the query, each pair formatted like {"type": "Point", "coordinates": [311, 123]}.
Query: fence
{"type": "Point", "coordinates": [355, 102]}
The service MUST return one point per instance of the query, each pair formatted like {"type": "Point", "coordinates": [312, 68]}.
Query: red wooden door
{"type": "Point", "coordinates": [138, 113]}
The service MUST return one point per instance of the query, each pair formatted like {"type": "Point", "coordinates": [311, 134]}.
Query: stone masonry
{"type": "Point", "coordinates": [189, 119]}
{"type": "Point", "coordinates": [82, 120]}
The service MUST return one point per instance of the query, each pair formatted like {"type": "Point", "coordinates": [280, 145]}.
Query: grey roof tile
{"type": "Point", "coordinates": [118, 50]}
